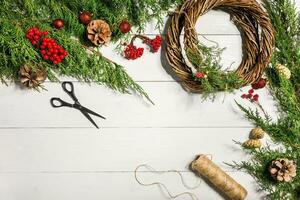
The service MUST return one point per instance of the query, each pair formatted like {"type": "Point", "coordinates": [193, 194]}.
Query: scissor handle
{"type": "Point", "coordinates": [70, 91]}
{"type": "Point", "coordinates": [57, 103]}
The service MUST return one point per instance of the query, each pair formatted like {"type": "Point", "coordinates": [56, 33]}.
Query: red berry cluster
{"type": "Point", "coordinates": [48, 47]}
{"type": "Point", "coordinates": [154, 43]}
{"type": "Point", "coordinates": [50, 50]}
{"type": "Point", "coordinates": [251, 96]}
{"type": "Point", "coordinates": [132, 52]}
{"type": "Point", "coordinates": [34, 35]}
{"type": "Point", "coordinates": [200, 75]}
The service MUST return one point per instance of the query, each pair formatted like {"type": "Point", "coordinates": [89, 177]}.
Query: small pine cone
{"type": "Point", "coordinates": [98, 32]}
{"type": "Point", "coordinates": [257, 133]}
{"type": "Point", "coordinates": [31, 78]}
{"type": "Point", "coordinates": [283, 170]}
{"type": "Point", "coordinates": [252, 144]}
{"type": "Point", "coordinates": [283, 70]}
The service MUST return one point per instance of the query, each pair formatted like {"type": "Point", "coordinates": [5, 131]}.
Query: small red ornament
{"type": "Point", "coordinates": [85, 17]}
{"type": "Point", "coordinates": [58, 23]}
{"type": "Point", "coordinates": [125, 27]}
{"type": "Point", "coordinates": [259, 84]}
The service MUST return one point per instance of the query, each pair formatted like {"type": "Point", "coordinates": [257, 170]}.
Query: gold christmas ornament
{"type": "Point", "coordinates": [283, 70]}
{"type": "Point", "coordinates": [283, 170]}
{"type": "Point", "coordinates": [257, 133]}
{"type": "Point", "coordinates": [98, 32]}
{"type": "Point", "coordinates": [252, 144]}
{"type": "Point", "coordinates": [30, 77]}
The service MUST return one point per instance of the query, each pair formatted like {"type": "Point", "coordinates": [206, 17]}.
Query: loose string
{"type": "Point", "coordinates": [163, 186]}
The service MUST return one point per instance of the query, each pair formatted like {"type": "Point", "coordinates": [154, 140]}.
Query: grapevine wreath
{"type": "Point", "coordinates": [205, 75]}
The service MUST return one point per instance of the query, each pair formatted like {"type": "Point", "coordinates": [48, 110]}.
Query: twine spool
{"type": "Point", "coordinates": [253, 22]}
{"type": "Point", "coordinates": [222, 181]}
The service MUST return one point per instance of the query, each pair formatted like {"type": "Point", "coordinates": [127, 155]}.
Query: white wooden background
{"type": "Point", "coordinates": [56, 154]}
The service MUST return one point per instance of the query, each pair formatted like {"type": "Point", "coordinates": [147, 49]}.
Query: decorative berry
{"type": "Point", "coordinates": [259, 84]}
{"type": "Point", "coordinates": [255, 97]}
{"type": "Point", "coordinates": [244, 96]}
{"type": "Point", "coordinates": [58, 23]}
{"type": "Point", "coordinates": [200, 75]}
{"type": "Point", "coordinates": [251, 91]}
{"type": "Point", "coordinates": [132, 52]}
{"type": "Point", "coordinates": [125, 27]}
{"type": "Point", "coordinates": [154, 43]}
{"type": "Point", "coordinates": [85, 17]}
{"type": "Point", "coordinates": [251, 96]}
{"type": "Point", "coordinates": [48, 47]}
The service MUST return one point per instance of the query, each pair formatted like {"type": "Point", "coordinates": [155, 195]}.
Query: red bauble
{"type": "Point", "coordinates": [259, 84]}
{"type": "Point", "coordinates": [85, 17]}
{"type": "Point", "coordinates": [58, 23]}
{"type": "Point", "coordinates": [125, 27]}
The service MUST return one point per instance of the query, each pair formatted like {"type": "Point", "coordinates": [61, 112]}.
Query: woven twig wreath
{"type": "Point", "coordinates": [253, 23]}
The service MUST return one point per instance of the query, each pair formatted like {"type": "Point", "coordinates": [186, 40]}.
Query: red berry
{"type": "Point", "coordinates": [244, 96]}
{"type": "Point", "coordinates": [251, 91]}
{"type": "Point", "coordinates": [46, 33]}
{"type": "Point", "coordinates": [249, 96]}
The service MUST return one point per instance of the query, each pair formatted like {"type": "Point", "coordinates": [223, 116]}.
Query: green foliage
{"type": "Point", "coordinates": [16, 16]}
{"type": "Point", "coordinates": [286, 129]}
{"type": "Point", "coordinates": [207, 60]}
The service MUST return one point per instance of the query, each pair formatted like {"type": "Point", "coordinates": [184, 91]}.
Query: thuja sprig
{"type": "Point", "coordinates": [284, 130]}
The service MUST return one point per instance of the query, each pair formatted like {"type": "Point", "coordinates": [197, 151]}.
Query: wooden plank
{"type": "Point", "coordinates": [108, 186]}
{"type": "Point", "coordinates": [113, 149]}
{"type": "Point", "coordinates": [174, 107]}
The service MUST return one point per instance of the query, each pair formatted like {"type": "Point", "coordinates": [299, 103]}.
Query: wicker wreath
{"type": "Point", "coordinates": [257, 37]}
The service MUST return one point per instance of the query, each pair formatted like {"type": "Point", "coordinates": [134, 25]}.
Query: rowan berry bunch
{"type": "Point", "coordinates": [48, 47]}
{"type": "Point", "coordinates": [154, 44]}
{"type": "Point", "coordinates": [132, 52]}
{"type": "Point", "coordinates": [251, 96]}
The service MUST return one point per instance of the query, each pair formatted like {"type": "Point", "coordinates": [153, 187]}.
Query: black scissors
{"type": "Point", "coordinates": [57, 103]}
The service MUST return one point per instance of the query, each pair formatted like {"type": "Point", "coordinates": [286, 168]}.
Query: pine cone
{"type": "Point", "coordinates": [283, 70]}
{"type": "Point", "coordinates": [31, 78]}
{"type": "Point", "coordinates": [252, 144]}
{"type": "Point", "coordinates": [257, 133]}
{"type": "Point", "coordinates": [98, 32]}
{"type": "Point", "coordinates": [283, 170]}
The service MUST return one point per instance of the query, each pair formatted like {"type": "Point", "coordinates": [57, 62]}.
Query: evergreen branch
{"type": "Point", "coordinates": [16, 16]}
{"type": "Point", "coordinates": [286, 129]}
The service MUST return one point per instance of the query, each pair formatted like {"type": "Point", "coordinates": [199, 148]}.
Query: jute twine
{"type": "Point", "coordinates": [206, 168]}
{"type": "Point", "coordinates": [253, 23]}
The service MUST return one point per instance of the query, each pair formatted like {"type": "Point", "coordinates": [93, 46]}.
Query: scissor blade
{"type": "Point", "coordinates": [89, 118]}
{"type": "Point", "coordinates": [91, 112]}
